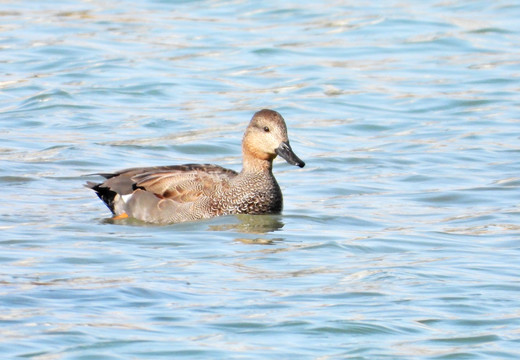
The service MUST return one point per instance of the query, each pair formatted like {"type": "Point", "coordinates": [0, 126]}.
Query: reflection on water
{"type": "Point", "coordinates": [252, 224]}
{"type": "Point", "coordinates": [246, 224]}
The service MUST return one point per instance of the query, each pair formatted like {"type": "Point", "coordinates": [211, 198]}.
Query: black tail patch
{"type": "Point", "coordinates": [105, 194]}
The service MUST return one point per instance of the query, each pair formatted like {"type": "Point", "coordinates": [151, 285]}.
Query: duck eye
{"type": "Point", "coordinates": [266, 129]}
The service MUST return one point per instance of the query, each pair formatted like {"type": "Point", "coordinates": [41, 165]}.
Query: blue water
{"type": "Point", "coordinates": [400, 239]}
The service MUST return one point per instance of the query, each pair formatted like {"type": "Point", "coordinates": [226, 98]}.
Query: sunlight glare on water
{"type": "Point", "coordinates": [398, 240]}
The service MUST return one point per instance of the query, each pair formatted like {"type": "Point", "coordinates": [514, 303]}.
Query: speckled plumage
{"type": "Point", "coordinates": [169, 194]}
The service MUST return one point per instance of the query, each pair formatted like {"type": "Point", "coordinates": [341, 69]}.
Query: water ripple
{"type": "Point", "coordinates": [398, 239]}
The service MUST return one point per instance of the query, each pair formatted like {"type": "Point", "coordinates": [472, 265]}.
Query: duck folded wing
{"type": "Point", "coordinates": [159, 178]}
{"type": "Point", "coordinates": [154, 191]}
{"type": "Point", "coordinates": [183, 183]}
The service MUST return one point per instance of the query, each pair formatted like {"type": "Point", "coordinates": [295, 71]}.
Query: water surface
{"type": "Point", "coordinates": [398, 240]}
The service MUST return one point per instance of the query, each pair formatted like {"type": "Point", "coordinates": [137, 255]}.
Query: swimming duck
{"type": "Point", "coordinates": [171, 194]}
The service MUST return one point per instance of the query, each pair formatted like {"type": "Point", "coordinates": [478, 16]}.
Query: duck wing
{"type": "Point", "coordinates": [181, 184]}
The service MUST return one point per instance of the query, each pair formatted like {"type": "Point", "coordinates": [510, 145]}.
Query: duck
{"type": "Point", "coordinates": [190, 192]}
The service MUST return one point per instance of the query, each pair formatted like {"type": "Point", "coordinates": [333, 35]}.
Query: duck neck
{"type": "Point", "coordinates": [255, 165]}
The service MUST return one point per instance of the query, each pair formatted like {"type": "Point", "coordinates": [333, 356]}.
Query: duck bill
{"type": "Point", "coordinates": [285, 151]}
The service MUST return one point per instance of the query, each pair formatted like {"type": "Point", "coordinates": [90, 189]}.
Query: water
{"type": "Point", "coordinates": [399, 239]}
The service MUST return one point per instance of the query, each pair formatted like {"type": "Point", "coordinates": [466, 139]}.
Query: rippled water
{"type": "Point", "coordinates": [399, 239]}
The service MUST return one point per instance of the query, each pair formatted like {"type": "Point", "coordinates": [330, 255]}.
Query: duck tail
{"type": "Point", "coordinates": [104, 193]}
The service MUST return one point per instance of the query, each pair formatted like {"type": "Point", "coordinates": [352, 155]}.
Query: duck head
{"type": "Point", "coordinates": [266, 137]}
